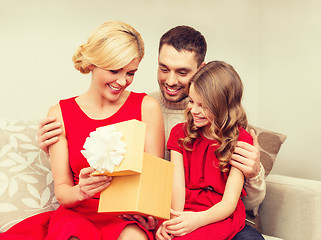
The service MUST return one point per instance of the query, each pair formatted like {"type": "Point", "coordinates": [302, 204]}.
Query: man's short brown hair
{"type": "Point", "coordinates": [185, 38]}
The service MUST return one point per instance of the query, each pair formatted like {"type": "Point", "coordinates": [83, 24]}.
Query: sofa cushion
{"type": "Point", "coordinates": [291, 208]}
{"type": "Point", "coordinates": [269, 144]}
{"type": "Point", "coordinates": [26, 183]}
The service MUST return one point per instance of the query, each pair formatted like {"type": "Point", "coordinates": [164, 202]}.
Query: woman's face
{"type": "Point", "coordinates": [111, 83]}
{"type": "Point", "coordinates": [202, 116]}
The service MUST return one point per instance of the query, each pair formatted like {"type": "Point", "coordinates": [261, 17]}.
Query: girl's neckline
{"type": "Point", "coordinates": [101, 119]}
{"type": "Point", "coordinates": [204, 137]}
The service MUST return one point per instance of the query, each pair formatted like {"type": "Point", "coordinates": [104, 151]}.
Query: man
{"type": "Point", "coordinates": [182, 52]}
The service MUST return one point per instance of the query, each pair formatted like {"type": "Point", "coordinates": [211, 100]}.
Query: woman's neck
{"type": "Point", "coordinates": [97, 107]}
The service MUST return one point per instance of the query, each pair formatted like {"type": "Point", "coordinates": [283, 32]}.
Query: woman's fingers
{"type": "Point", "coordinates": [89, 184]}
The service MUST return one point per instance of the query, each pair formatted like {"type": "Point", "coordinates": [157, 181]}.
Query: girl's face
{"type": "Point", "coordinates": [111, 83]}
{"type": "Point", "coordinates": [202, 116]}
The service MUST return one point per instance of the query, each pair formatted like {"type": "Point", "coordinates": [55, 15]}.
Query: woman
{"type": "Point", "coordinates": [112, 56]}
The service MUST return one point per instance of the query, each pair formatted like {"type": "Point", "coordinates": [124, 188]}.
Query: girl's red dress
{"type": "Point", "coordinates": [205, 184]}
{"type": "Point", "coordinates": [82, 221]}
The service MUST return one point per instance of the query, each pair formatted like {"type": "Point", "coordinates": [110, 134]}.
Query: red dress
{"type": "Point", "coordinates": [205, 184]}
{"type": "Point", "coordinates": [83, 221]}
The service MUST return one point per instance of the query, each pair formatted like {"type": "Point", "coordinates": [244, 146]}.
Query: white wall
{"type": "Point", "coordinates": [272, 44]}
{"type": "Point", "coordinates": [290, 82]}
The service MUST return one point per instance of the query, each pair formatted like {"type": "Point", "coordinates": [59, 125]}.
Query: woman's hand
{"type": "Point", "coordinates": [90, 185]}
{"type": "Point", "coordinates": [183, 223]}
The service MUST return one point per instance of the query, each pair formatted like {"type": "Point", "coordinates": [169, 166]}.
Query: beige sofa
{"type": "Point", "coordinates": [291, 209]}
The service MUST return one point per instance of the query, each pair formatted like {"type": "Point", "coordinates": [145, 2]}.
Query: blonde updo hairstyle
{"type": "Point", "coordinates": [111, 46]}
{"type": "Point", "coordinates": [221, 89]}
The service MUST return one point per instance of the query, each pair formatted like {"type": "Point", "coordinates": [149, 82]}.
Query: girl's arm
{"type": "Point", "coordinates": [68, 194]}
{"type": "Point", "coordinates": [231, 196]}
{"type": "Point", "coordinates": [186, 222]}
{"type": "Point", "coordinates": [155, 133]}
{"type": "Point", "coordinates": [178, 192]}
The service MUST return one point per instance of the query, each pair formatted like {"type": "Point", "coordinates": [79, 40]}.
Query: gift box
{"type": "Point", "coordinates": [148, 193]}
{"type": "Point", "coordinates": [142, 183]}
{"type": "Point", "coordinates": [133, 135]}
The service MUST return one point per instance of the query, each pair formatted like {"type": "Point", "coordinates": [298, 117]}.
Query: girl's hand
{"type": "Point", "coordinates": [161, 233]}
{"type": "Point", "coordinates": [90, 185]}
{"type": "Point", "coordinates": [183, 223]}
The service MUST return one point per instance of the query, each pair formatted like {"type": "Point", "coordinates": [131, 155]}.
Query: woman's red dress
{"type": "Point", "coordinates": [82, 221]}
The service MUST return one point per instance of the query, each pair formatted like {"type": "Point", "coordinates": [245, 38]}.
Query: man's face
{"type": "Point", "coordinates": [175, 70]}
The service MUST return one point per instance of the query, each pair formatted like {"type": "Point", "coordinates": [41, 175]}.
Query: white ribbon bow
{"type": "Point", "coordinates": [104, 148]}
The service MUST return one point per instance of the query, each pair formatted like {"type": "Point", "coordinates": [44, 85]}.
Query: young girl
{"type": "Point", "coordinates": [206, 200]}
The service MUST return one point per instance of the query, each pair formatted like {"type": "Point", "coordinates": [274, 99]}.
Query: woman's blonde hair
{"type": "Point", "coordinates": [111, 46]}
{"type": "Point", "coordinates": [221, 89]}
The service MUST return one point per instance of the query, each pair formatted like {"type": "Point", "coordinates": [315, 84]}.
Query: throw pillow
{"type": "Point", "coordinates": [269, 144]}
{"type": "Point", "coordinates": [26, 183]}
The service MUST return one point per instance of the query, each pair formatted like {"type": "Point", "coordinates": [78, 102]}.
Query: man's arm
{"type": "Point", "coordinates": [247, 159]}
{"type": "Point", "coordinates": [48, 132]}
{"type": "Point", "coordinates": [255, 190]}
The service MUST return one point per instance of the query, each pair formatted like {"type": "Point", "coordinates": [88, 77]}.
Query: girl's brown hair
{"type": "Point", "coordinates": [221, 90]}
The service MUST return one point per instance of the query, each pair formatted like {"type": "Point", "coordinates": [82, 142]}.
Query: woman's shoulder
{"type": "Point", "coordinates": [70, 99]}
{"type": "Point", "coordinates": [151, 111]}
{"type": "Point", "coordinates": [55, 110]}
{"type": "Point", "coordinates": [68, 102]}
{"type": "Point", "coordinates": [134, 98]}
{"type": "Point", "coordinates": [137, 94]}
{"type": "Point", "coordinates": [150, 102]}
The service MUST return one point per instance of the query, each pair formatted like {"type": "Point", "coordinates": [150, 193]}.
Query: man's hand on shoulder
{"type": "Point", "coordinates": [246, 157]}
{"type": "Point", "coordinates": [48, 132]}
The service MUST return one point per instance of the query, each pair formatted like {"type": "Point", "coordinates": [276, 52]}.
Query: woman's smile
{"type": "Point", "coordinates": [114, 89]}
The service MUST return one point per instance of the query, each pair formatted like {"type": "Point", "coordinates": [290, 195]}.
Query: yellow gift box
{"type": "Point", "coordinates": [142, 183]}
{"type": "Point", "coordinates": [134, 138]}
{"type": "Point", "coordinates": [147, 194]}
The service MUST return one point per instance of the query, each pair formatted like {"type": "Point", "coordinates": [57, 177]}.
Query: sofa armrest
{"type": "Point", "coordinates": [291, 208]}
